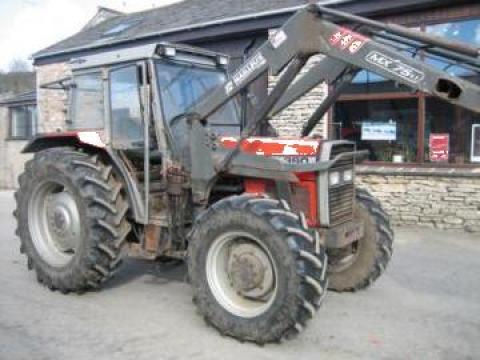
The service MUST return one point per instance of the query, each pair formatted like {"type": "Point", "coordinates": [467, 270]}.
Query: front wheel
{"type": "Point", "coordinates": [359, 264]}
{"type": "Point", "coordinates": [257, 272]}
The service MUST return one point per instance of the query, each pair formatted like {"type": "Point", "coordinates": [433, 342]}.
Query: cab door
{"type": "Point", "coordinates": [129, 108]}
{"type": "Point", "coordinates": [126, 108]}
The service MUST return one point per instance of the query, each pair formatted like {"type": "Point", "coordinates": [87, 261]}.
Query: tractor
{"type": "Point", "coordinates": [157, 160]}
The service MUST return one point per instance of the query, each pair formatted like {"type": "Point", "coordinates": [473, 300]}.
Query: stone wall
{"type": "Point", "coordinates": [51, 104]}
{"type": "Point", "coordinates": [291, 120]}
{"type": "Point", "coordinates": [12, 161]}
{"type": "Point", "coordinates": [442, 202]}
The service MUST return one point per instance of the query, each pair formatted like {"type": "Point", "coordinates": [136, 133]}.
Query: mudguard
{"type": "Point", "coordinates": [59, 139]}
{"type": "Point", "coordinates": [93, 142]}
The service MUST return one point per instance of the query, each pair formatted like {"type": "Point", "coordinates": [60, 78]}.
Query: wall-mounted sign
{"type": "Point", "coordinates": [475, 152]}
{"type": "Point", "coordinates": [386, 131]}
{"type": "Point", "coordinates": [439, 146]}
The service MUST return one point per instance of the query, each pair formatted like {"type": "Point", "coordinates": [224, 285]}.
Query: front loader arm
{"type": "Point", "coordinates": [315, 30]}
{"type": "Point", "coordinates": [388, 62]}
{"type": "Point", "coordinates": [311, 32]}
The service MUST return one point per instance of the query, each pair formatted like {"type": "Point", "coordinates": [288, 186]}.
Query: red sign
{"type": "Point", "coordinates": [439, 145]}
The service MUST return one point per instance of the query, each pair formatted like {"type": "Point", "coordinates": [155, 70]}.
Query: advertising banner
{"type": "Point", "coordinates": [475, 152]}
{"type": "Point", "coordinates": [439, 145]}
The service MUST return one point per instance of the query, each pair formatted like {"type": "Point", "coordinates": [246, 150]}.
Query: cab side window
{"type": "Point", "coordinates": [87, 102]}
{"type": "Point", "coordinates": [126, 109]}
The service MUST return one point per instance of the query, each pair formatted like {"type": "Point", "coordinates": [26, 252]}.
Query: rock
{"type": "Point", "coordinates": [452, 220]}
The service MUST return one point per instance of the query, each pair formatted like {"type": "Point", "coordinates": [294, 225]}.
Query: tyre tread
{"type": "Point", "coordinates": [312, 284]}
{"type": "Point", "coordinates": [100, 191]}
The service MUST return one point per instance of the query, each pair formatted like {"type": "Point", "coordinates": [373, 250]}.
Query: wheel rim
{"type": "Point", "coordinates": [54, 223]}
{"type": "Point", "coordinates": [241, 274]}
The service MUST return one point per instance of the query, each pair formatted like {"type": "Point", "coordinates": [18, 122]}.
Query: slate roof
{"type": "Point", "coordinates": [189, 17]}
{"type": "Point", "coordinates": [185, 14]}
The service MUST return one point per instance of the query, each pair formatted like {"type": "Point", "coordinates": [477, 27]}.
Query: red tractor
{"type": "Point", "coordinates": [156, 159]}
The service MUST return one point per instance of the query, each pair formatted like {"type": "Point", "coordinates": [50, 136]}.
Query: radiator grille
{"type": "Point", "coordinates": [344, 161]}
{"type": "Point", "coordinates": [341, 203]}
{"type": "Point", "coordinates": [341, 197]}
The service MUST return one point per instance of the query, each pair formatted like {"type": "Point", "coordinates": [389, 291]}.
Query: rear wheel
{"type": "Point", "coordinates": [71, 218]}
{"type": "Point", "coordinates": [359, 264]}
{"type": "Point", "coordinates": [257, 272]}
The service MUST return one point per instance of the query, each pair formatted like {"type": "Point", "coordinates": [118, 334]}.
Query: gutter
{"type": "Point", "coordinates": [25, 98]}
{"type": "Point", "coordinates": [222, 21]}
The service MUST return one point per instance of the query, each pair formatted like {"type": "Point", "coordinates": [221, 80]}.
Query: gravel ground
{"type": "Point", "coordinates": [426, 306]}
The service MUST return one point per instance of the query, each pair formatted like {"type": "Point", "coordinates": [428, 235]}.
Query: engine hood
{"type": "Point", "coordinates": [302, 150]}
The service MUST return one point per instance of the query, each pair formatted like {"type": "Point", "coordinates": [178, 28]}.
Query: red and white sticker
{"type": "Point", "coordinates": [278, 38]}
{"type": "Point", "coordinates": [346, 39]}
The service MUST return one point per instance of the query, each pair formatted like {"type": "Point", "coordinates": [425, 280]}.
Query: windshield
{"type": "Point", "coordinates": [182, 86]}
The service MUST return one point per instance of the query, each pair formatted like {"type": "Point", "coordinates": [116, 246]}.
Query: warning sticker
{"type": "Point", "coordinates": [346, 39]}
{"type": "Point", "coordinates": [278, 38]}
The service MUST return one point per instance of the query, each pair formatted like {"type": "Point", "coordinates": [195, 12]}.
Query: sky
{"type": "Point", "coordinates": [27, 26]}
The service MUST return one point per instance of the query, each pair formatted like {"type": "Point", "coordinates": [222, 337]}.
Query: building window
{"type": "Point", "coordinates": [387, 128]}
{"type": "Point", "coordinates": [442, 117]}
{"type": "Point", "coordinates": [416, 128]}
{"type": "Point", "coordinates": [23, 122]}
{"type": "Point", "coordinates": [466, 31]}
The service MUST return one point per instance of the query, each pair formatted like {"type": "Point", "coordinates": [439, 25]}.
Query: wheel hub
{"type": "Point", "coordinates": [54, 222]}
{"type": "Point", "coordinates": [246, 272]}
{"type": "Point", "coordinates": [241, 274]}
{"type": "Point", "coordinates": [62, 218]}
{"type": "Point", "coordinates": [59, 220]}
{"type": "Point", "coordinates": [249, 270]}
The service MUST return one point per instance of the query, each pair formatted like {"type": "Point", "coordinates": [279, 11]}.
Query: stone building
{"type": "Point", "coordinates": [19, 123]}
{"type": "Point", "coordinates": [414, 186]}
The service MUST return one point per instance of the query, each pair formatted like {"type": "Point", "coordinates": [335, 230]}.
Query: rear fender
{"type": "Point", "coordinates": [80, 139]}
{"type": "Point", "coordinates": [92, 142]}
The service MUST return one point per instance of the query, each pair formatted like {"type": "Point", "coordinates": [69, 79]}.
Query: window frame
{"type": "Point", "coordinates": [108, 98]}
{"type": "Point", "coordinates": [33, 122]}
{"type": "Point", "coordinates": [206, 67]}
{"type": "Point", "coordinates": [71, 117]}
{"type": "Point", "coordinates": [421, 20]}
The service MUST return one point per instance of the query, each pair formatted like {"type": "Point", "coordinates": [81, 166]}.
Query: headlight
{"type": "Point", "coordinates": [222, 60]}
{"type": "Point", "coordinates": [348, 175]}
{"type": "Point", "coordinates": [334, 178]}
{"type": "Point", "coordinates": [170, 51]}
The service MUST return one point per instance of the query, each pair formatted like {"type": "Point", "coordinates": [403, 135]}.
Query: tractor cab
{"type": "Point", "coordinates": [138, 98]}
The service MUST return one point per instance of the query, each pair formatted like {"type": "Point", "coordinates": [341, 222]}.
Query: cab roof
{"type": "Point", "coordinates": [145, 52]}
